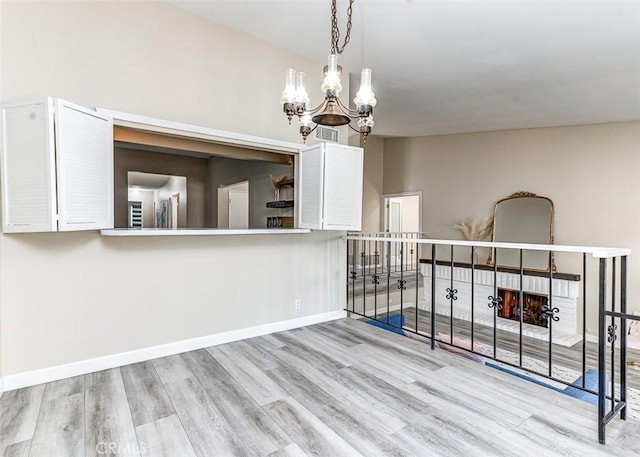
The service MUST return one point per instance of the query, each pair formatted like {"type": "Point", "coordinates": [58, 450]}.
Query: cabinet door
{"type": "Point", "coordinates": [28, 168]}
{"type": "Point", "coordinates": [343, 179]}
{"type": "Point", "coordinates": [310, 185]}
{"type": "Point", "coordinates": [84, 145]}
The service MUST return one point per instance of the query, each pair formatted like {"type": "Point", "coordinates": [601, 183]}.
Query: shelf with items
{"type": "Point", "coordinates": [280, 204]}
{"type": "Point", "coordinates": [284, 217]}
{"type": "Point", "coordinates": [280, 222]}
{"type": "Point", "coordinates": [278, 183]}
{"type": "Point", "coordinates": [285, 183]}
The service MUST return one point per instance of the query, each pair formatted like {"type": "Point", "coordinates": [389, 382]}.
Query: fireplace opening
{"type": "Point", "coordinates": [533, 307]}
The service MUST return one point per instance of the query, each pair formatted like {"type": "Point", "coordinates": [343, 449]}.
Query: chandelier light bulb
{"type": "Point", "coordinates": [332, 78]}
{"type": "Point", "coordinates": [289, 92]}
{"type": "Point", "coordinates": [305, 120]}
{"type": "Point", "coordinates": [365, 95]}
{"type": "Point", "coordinates": [301, 97]}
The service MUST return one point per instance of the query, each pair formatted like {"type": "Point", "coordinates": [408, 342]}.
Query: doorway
{"type": "Point", "coordinates": [402, 218]}
{"type": "Point", "coordinates": [402, 212]}
{"type": "Point", "coordinates": [233, 206]}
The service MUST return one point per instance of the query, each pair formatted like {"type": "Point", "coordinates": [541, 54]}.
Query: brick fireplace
{"type": "Point", "coordinates": [565, 297]}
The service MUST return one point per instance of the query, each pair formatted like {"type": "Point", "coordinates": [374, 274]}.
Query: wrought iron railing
{"type": "Point", "coordinates": [382, 257]}
{"type": "Point", "coordinates": [441, 285]}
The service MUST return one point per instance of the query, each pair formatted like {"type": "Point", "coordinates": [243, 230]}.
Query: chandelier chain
{"type": "Point", "coordinates": [335, 31]}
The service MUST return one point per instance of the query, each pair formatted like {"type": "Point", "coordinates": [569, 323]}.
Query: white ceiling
{"type": "Point", "coordinates": [467, 66]}
{"type": "Point", "coordinates": [146, 181]}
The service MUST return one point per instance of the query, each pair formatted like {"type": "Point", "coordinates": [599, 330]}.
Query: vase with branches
{"type": "Point", "coordinates": [477, 228]}
{"type": "Point", "coordinates": [275, 183]}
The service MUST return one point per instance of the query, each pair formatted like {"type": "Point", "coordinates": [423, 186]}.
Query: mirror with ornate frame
{"type": "Point", "coordinates": [523, 217]}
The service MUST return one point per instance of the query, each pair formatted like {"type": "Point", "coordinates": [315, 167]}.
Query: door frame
{"type": "Point", "coordinates": [383, 206]}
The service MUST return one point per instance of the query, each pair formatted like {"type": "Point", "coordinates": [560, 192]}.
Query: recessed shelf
{"type": "Point", "coordinates": [286, 182]}
{"type": "Point", "coordinates": [280, 204]}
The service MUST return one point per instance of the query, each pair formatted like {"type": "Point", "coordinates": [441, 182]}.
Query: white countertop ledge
{"type": "Point", "coordinates": [199, 232]}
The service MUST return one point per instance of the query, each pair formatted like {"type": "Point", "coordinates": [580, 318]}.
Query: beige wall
{"type": "Point", "coordinates": [148, 58]}
{"type": "Point", "coordinates": [72, 296]}
{"type": "Point", "coordinates": [590, 172]}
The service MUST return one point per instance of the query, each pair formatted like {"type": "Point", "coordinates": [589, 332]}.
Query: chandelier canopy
{"type": "Point", "coordinates": [332, 111]}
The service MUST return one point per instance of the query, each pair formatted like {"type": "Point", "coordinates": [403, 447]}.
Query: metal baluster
{"type": "Point", "coordinates": [473, 282]}
{"type": "Point", "coordinates": [433, 296]}
{"type": "Point", "coordinates": [623, 337]}
{"type": "Point", "coordinates": [612, 333]}
{"type": "Point", "coordinates": [376, 281]}
{"type": "Point", "coordinates": [353, 278]}
{"type": "Point", "coordinates": [451, 296]}
{"type": "Point", "coordinates": [584, 319]}
{"type": "Point", "coordinates": [496, 302]}
{"type": "Point", "coordinates": [417, 283]}
{"type": "Point", "coordinates": [601, 350]}
{"type": "Point", "coordinates": [363, 254]}
{"type": "Point", "coordinates": [388, 277]}
{"type": "Point", "coordinates": [401, 282]}
{"type": "Point", "coordinates": [551, 317]}
{"type": "Point", "coordinates": [521, 310]}
{"type": "Point", "coordinates": [348, 270]}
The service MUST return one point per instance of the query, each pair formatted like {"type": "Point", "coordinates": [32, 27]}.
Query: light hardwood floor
{"type": "Point", "coordinates": [335, 389]}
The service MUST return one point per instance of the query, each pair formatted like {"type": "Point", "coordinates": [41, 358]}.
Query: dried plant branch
{"type": "Point", "coordinates": [475, 228]}
{"type": "Point", "coordinates": [275, 182]}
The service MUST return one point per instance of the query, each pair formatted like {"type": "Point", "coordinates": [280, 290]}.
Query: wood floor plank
{"type": "Point", "coordinates": [297, 340]}
{"type": "Point", "coordinates": [257, 384]}
{"type": "Point", "coordinates": [259, 351]}
{"type": "Point", "coordinates": [164, 437]}
{"type": "Point", "coordinates": [559, 438]}
{"type": "Point", "coordinates": [418, 440]}
{"type": "Point", "coordinates": [471, 426]}
{"type": "Point", "coordinates": [19, 411]}
{"type": "Point", "coordinates": [356, 425]}
{"type": "Point", "coordinates": [396, 368]}
{"type": "Point", "coordinates": [172, 368]}
{"type": "Point", "coordinates": [292, 450]}
{"type": "Point", "coordinates": [307, 431]}
{"type": "Point", "coordinates": [64, 388]}
{"type": "Point", "coordinates": [444, 392]}
{"type": "Point", "coordinates": [205, 426]}
{"type": "Point", "coordinates": [311, 338]}
{"type": "Point", "coordinates": [61, 423]}
{"type": "Point", "coordinates": [245, 416]}
{"type": "Point", "coordinates": [625, 441]}
{"type": "Point", "coordinates": [147, 398]}
{"type": "Point", "coordinates": [329, 387]}
{"type": "Point", "coordinates": [108, 422]}
{"type": "Point", "coordinates": [271, 339]}
{"type": "Point", "coordinates": [20, 449]}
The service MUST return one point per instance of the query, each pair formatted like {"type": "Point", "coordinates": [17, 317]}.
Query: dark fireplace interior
{"type": "Point", "coordinates": [532, 311]}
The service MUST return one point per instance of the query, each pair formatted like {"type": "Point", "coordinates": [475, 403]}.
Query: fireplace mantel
{"type": "Point", "coordinates": [526, 271]}
{"type": "Point", "coordinates": [565, 296]}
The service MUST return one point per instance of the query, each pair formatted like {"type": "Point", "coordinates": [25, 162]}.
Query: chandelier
{"type": "Point", "coordinates": [332, 111]}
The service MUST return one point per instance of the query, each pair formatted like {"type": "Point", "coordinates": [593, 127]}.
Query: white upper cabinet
{"type": "Point", "coordinates": [330, 187]}
{"type": "Point", "coordinates": [57, 167]}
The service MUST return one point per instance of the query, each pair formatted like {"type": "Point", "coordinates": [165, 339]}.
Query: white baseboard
{"type": "Point", "coordinates": [32, 378]}
{"type": "Point", "coordinates": [1, 386]}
